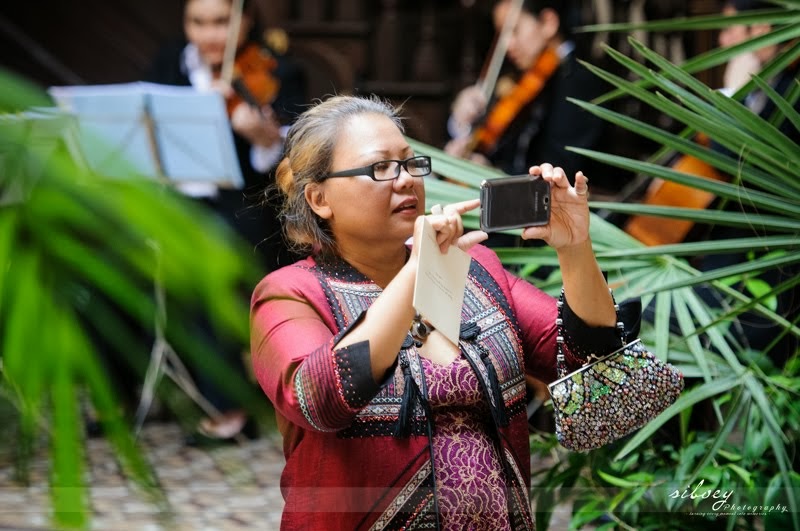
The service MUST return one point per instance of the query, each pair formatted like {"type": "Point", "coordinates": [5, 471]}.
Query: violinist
{"type": "Point", "coordinates": [224, 49]}
{"type": "Point", "coordinates": [527, 116]}
{"type": "Point", "coordinates": [259, 119]}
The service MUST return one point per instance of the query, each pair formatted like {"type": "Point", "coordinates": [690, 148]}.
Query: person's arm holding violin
{"type": "Point", "coordinates": [471, 104]}
{"type": "Point", "coordinates": [259, 126]}
{"type": "Point", "coordinates": [263, 131]}
{"type": "Point", "coordinates": [468, 108]}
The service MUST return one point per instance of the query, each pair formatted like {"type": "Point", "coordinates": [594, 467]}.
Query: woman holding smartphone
{"type": "Point", "coordinates": [386, 423]}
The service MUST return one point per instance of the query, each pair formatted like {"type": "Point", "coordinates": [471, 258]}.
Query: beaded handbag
{"type": "Point", "coordinates": [611, 397]}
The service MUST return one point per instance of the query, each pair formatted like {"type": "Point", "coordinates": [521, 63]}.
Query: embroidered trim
{"type": "Point", "coordinates": [406, 495]}
{"type": "Point", "coordinates": [521, 501]}
{"type": "Point", "coordinates": [305, 404]}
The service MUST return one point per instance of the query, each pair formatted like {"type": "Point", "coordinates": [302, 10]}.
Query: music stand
{"type": "Point", "coordinates": [170, 133]}
{"type": "Point", "coordinates": [175, 135]}
{"type": "Point", "coordinates": [164, 360]}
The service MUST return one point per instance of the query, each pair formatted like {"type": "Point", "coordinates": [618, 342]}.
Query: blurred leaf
{"type": "Point", "coordinates": [687, 398]}
{"type": "Point", "coordinates": [84, 259]}
{"type": "Point", "coordinates": [617, 481]}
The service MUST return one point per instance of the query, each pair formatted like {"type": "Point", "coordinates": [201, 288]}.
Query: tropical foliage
{"type": "Point", "coordinates": [90, 266]}
{"type": "Point", "coordinates": [734, 431]}
{"type": "Point", "coordinates": [82, 254]}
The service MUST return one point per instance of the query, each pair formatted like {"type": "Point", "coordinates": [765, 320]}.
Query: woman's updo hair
{"type": "Point", "coordinates": [308, 154]}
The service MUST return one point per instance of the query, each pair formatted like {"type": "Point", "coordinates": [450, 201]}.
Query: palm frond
{"type": "Point", "coordinates": [81, 251]}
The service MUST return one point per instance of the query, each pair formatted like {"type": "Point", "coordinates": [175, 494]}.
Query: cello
{"type": "Point", "coordinates": [652, 230]}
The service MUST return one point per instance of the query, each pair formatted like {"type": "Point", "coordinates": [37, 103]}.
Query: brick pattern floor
{"type": "Point", "coordinates": [233, 487]}
{"type": "Point", "coordinates": [225, 488]}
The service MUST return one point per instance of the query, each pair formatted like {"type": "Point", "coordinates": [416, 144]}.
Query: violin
{"type": "Point", "coordinates": [247, 69]}
{"type": "Point", "coordinates": [484, 137]}
{"type": "Point", "coordinates": [253, 81]}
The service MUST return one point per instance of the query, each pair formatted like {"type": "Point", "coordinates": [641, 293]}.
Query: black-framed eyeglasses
{"type": "Point", "coordinates": [388, 170]}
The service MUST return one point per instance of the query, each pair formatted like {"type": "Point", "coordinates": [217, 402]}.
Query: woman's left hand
{"type": "Point", "coordinates": [446, 222]}
{"type": "Point", "coordinates": [569, 209]}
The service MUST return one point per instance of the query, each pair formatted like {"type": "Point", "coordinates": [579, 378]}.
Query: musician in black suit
{"type": "Point", "coordinates": [196, 59]}
{"type": "Point", "coordinates": [751, 329]}
{"type": "Point", "coordinates": [528, 117]}
{"type": "Point", "coordinates": [259, 117]}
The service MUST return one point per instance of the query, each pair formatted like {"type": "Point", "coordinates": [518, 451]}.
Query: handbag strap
{"type": "Point", "coordinates": [561, 363]}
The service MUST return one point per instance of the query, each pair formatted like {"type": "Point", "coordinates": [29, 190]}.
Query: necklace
{"type": "Point", "coordinates": [420, 330]}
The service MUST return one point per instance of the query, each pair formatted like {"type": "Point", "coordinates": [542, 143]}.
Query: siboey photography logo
{"type": "Point", "coordinates": [720, 502]}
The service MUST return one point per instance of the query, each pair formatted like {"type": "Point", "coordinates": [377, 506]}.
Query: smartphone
{"type": "Point", "coordinates": [514, 202]}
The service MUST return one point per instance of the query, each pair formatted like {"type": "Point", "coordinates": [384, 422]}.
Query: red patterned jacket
{"type": "Point", "coordinates": [357, 453]}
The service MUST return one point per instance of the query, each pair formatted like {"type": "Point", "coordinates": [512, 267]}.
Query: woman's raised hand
{"type": "Point", "coordinates": [446, 221]}
{"type": "Point", "coordinates": [569, 209]}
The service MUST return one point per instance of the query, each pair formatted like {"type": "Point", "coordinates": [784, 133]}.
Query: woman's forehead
{"type": "Point", "coordinates": [364, 122]}
{"type": "Point", "coordinates": [370, 133]}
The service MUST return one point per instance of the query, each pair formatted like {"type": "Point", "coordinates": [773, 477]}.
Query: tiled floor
{"type": "Point", "coordinates": [234, 487]}
{"type": "Point", "coordinates": [227, 488]}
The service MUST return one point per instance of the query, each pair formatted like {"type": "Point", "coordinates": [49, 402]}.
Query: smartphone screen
{"type": "Point", "coordinates": [514, 202]}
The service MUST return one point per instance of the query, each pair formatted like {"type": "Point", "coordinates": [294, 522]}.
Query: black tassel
{"type": "Point", "coordinates": [411, 395]}
{"type": "Point", "coordinates": [469, 331]}
{"type": "Point", "coordinates": [498, 412]}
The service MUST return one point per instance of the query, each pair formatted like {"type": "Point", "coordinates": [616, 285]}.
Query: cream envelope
{"type": "Point", "coordinates": [440, 284]}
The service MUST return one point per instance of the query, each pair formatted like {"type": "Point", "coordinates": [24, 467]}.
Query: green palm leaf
{"type": "Point", "coordinates": [764, 164]}
{"type": "Point", "coordinates": [81, 252]}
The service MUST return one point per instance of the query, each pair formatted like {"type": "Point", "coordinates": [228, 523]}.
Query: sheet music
{"type": "Point", "coordinates": [158, 131]}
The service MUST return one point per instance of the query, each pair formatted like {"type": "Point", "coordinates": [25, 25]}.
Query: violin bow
{"type": "Point", "coordinates": [489, 80]}
{"type": "Point", "coordinates": [234, 25]}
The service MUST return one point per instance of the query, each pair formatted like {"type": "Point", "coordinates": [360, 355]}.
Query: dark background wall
{"type": "Point", "coordinates": [419, 51]}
